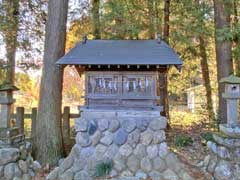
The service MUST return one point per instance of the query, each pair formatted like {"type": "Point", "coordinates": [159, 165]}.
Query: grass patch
{"type": "Point", "coordinates": [103, 168]}
{"type": "Point", "coordinates": [208, 136]}
{"type": "Point", "coordinates": [183, 140]}
{"type": "Point", "coordinates": [185, 119]}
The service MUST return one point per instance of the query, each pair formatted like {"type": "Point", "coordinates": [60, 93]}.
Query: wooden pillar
{"type": "Point", "coordinates": [163, 90]}
{"type": "Point", "coordinates": [20, 119]}
{"type": "Point", "coordinates": [66, 130]}
{"type": "Point", "coordinates": [33, 130]}
{"type": "Point", "coordinates": [33, 127]}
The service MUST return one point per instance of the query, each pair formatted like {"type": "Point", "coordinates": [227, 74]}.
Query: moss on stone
{"type": "Point", "coordinates": [232, 79]}
{"type": "Point", "coordinates": [5, 86]}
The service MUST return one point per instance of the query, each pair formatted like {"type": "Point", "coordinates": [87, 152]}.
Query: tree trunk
{"type": "Point", "coordinates": [49, 146]}
{"type": "Point", "coordinates": [96, 19]}
{"type": "Point", "coordinates": [151, 29]}
{"type": "Point", "coordinates": [10, 36]}
{"type": "Point", "coordinates": [166, 20]}
{"type": "Point", "coordinates": [206, 78]}
{"type": "Point", "coordinates": [163, 77]}
{"type": "Point", "coordinates": [158, 18]}
{"type": "Point", "coordinates": [236, 38]}
{"type": "Point", "coordinates": [223, 51]}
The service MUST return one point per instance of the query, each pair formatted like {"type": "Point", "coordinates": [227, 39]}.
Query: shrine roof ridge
{"type": "Point", "coordinates": [121, 52]}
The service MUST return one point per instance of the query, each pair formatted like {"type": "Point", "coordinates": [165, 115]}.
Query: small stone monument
{"type": "Point", "coordinates": [224, 160]}
{"type": "Point", "coordinates": [6, 102]}
{"type": "Point", "coordinates": [8, 135]}
{"type": "Point", "coordinates": [232, 94]}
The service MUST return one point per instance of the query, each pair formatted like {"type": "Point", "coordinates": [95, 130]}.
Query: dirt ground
{"type": "Point", "coordinates": [193, 154]}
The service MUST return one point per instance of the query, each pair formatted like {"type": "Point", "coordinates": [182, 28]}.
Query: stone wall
{"type": "Point", "coordinates": [224, 159]}
{"type": "Point", "coordinates": [17, 163]}
{"type": "Point", "coordinates": [133, 140]}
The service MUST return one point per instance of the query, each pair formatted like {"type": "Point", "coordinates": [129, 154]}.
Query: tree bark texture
{"type": "Point", "coordinates": [49, 146]}
{"type": "Point", "coordinates": [10, 32]}
{"type": "Point", "coordinates": [206, 78]}
{"type": "Point", "coordinates": [166, 20]}
{"type": "Point", "coordinates": [158, 17]}
{"type": "Point", "coordinates": [151, 29]}
{"type": "Point", "coordinates": [96, 18]}
{"type": "Point", "coordinates": [163, 77]}
{"type": "Point", "coordinates": [223, 52]}
{"type": "Point", "coordinates": [236, 4]}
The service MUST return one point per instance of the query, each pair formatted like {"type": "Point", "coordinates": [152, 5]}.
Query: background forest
{"type": "Point", "coordinates": [204, 33]}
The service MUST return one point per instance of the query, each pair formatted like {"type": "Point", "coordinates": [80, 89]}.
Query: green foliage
{"type": "Point", "coordinates": [29, 90]}
{"type": "Point", "coordinates": [131, 19]}
{"type": "Point", "coordinates": [76, 31]}
{"type": "Point", "coordinates": [189, 21]}
{"type": "Point", "coordinates": [103, 168]}
{"type": "Point", "coordinates": [2, 75]}
{"type": "Point", "coordinates": [183, 140]}
{"type": "Point", "coordinates": [208, 136]}
{"type": "Point", "coordinates": [185, 119]}
{"type": "Point", "coordinates": [24, 19]}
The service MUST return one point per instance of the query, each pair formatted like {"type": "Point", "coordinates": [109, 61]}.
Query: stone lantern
{"type": "Point", "coordinates": [6, 102]}
{"type": "Point", "coordinates": [231, 94]}
{"type": "Point", "coordinates": [8, 134]}
{"type": "Point", "coordinates": [225, 150]}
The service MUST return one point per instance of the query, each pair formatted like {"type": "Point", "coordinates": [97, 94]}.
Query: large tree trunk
{"type": "Point", "coordinates": [49, 138]}
{"type": "Point", "coordinates": [163, 77]}
{"type": "Point", "coordinates": [96, 19]}
{"type": "Point", "coordinates": [236, 38]}
{"type": "Point", "coordinates": [10, 36]}
{"type": "Point", "coordinates": [223, 51]}
{"type": "Point", "coordinates": [206, 78]}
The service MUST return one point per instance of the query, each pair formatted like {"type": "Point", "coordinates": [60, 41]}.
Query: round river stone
{"type": "Point", "coordinates": [120, 137]}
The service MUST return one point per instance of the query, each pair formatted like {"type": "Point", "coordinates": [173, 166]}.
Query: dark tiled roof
{"type": "Point", "coordinates": [114, 52]}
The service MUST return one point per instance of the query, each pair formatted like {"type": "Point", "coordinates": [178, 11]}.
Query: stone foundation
{"type": "Point", "coordinates": [17, 163]}
{"type": "Point", "coordinates": [224, 160]}
{"type": "Point", "coordinates": [134, 141]}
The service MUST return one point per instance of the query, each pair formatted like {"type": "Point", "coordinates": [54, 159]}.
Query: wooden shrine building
{"type": "Point", "coordinates": [123, 74]}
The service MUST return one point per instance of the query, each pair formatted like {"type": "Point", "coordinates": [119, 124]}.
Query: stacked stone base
{"type": "Point", "coordinates": [17, 163]}
{"type": "Point", "coordinates": [224, 160]}
{"type": "Point", "coordinates": [134, 141]}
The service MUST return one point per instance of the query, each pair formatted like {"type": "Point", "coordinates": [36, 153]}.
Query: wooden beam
{"type": "Point", "coordinates": [62, 65]}
{"type": "Point", "coordinates": [20, 119]}
{"type": "Point", "coordinates": [80, 70]}
{"type": "Point", "coordinates": [66, 130]}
